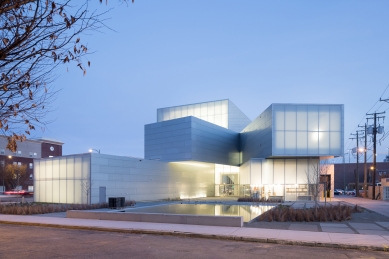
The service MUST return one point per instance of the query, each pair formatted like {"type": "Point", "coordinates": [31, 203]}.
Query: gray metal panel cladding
{"type": "Point", "coordinates": [256, 138]}
{"type": "Point", "coordinates": [191, 138]}
{"type": "Point", "coordinates": [237, 120]}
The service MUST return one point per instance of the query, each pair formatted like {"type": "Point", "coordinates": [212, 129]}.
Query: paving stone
{"type": "Point", "coordinates": [337, 230]}
{"type": "Point", "coordinates": [365, 226]}
{"type": "Point", "coordinates": [384, 224]}
{"type": "Point", "coordinates": [373, 232]}
{"type": "Point", "coordinates": [334, 225]}
{"type": "Point", "coordinates": [303, 227]}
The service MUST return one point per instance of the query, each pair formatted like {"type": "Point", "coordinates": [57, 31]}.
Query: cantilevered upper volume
{"type": "Point", "coordinates": [282, 130]}
{"type": "Point", "coordinates": [294, 130]}
{"type": "Point", "coordinates": [223, 113]}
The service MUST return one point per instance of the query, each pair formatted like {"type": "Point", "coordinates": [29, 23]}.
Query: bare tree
{"type": "Point", "coordinates": [36, 37]}
{"type": "Point", "coordinates": [316, 169]}
{"type": "Point", "coordinates": [86, 186]}
{"type": "Point", "coordinates": [15, 175]}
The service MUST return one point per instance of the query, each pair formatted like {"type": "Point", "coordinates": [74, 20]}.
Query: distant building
{"type": "Point", "coordinates": [344, 174]}
{"type": "Point", "coordinates": [26, 152]}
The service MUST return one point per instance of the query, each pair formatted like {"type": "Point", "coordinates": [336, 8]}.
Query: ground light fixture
{"type": "Point", "coordinates": [96, 150]}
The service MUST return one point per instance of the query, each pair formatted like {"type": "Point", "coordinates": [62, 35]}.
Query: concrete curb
{"type": "Point", "coordinates": [203, 220]}
{"type": "Point", "coordinates": [208, 236]}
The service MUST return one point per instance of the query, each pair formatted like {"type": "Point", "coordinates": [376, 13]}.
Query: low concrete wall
{"type": "Point", "coordinates": [225, 221]}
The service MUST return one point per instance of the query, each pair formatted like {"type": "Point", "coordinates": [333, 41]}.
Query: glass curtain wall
{"type": "Point", "coordinates": [307, 130]}
{"type": "Point", "coordinates": [279, 179]}
{"type": "Point", "coordinates": [214, 112]}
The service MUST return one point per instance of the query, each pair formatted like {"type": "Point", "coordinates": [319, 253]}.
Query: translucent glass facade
{"type": "Point", "coordinates": [214, 112]}
{"type": "Point", "coordinates": [307, 130]}
{"type": "Point", "coordinates": [60, 179]}
{"type": "Point", "coordinates": [223, 113]}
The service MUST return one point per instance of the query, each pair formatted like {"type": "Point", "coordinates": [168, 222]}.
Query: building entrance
{"type": "Point", "coordinates": [227, 189]}
{"type": "Point", "coordinates": [226, 180]}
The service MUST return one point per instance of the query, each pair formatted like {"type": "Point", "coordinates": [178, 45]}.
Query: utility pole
{"type": "Point", "coordinates": [344, 173]}
{"type": "Point", "coordinates": [375, 131]}
{"type": "Point", "coordinates": [357, 169]}
{"type": "Point", "coordinates": [365, 164]}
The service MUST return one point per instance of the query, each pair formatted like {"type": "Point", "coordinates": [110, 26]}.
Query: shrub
{"type": "Point", "coordinates": [251, 199]}
{"type": "Point", "coordinates": [43, 208]}
{"type": "Point", "coordinates": [329, 213]}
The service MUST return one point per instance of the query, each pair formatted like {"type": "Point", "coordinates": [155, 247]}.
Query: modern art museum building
{"type": "Point", "coordinates": [204, 150]}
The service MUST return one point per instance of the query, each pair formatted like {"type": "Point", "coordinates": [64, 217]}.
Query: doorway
{"type": "Point", "coordinates": [102, 194]}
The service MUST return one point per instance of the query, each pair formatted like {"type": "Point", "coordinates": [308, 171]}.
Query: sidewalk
{"type": "Point", "coordinates": [370, 241]}
{"type": "Point", "coordinates": [322, 239]}
{"type": "Point", "coordinates": [381, 207]}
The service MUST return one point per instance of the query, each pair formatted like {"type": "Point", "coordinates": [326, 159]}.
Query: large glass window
{"type": "Point", "coordinates": [302, 130]}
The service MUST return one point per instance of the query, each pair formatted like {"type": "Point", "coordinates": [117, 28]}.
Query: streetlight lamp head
{"type": "Point", "coordinates": [9, 156]}
{"type": "Point", "coordinates": [96, 150]}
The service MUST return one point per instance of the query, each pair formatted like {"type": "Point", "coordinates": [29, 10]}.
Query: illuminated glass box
{"type": "Point", "coordinates": [294, 130]}
{"type": "Point", "coordinates": [223, 113]}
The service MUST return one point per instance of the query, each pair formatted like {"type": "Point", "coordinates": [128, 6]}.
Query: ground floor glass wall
{"type": "Point", "coordinates": [285, 179]}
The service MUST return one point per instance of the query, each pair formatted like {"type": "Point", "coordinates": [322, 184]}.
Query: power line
{"type": "Point", "coordinates": [347, 144]}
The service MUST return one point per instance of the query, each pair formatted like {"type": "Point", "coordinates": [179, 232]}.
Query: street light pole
{"type": "Point", "coordinates": [97, 150]}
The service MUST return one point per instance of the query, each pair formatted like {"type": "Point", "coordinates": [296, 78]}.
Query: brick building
{"type": "Point", "coordinates": [26, 153]}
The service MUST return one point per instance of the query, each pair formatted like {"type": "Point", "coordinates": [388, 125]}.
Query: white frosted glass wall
{"type": "Point", "coordinates": [244, 174]}
{"type": "Point", "coordinates": [279, 177]}
{"type": "Point", "coordinates": [279, 171]}
{"type": "Point", "coordinates": [59, 179]}
{"type": "Point", "coordinates": [307, 130]}
{"type": "Point", "coordinates": [214, 112]}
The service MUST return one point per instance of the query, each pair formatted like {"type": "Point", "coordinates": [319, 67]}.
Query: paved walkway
{"type": "Point", "coordinates": [381, 207]}
{"type": "Point", "coordinates": [373, 240]}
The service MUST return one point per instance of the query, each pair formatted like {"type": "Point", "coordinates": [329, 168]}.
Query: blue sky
{"type": "Point", "coordinates": [166, 53]}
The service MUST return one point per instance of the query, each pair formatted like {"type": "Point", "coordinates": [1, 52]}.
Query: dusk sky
{"type": "Point", "coordinates": [167, 53]}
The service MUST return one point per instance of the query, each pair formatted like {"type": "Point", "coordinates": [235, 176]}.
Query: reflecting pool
{"type": "Point", "coordinates": [248, 212]}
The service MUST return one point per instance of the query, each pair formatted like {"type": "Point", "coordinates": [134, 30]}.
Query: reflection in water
{"type": "Point", "coordinates": [246, 211]}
